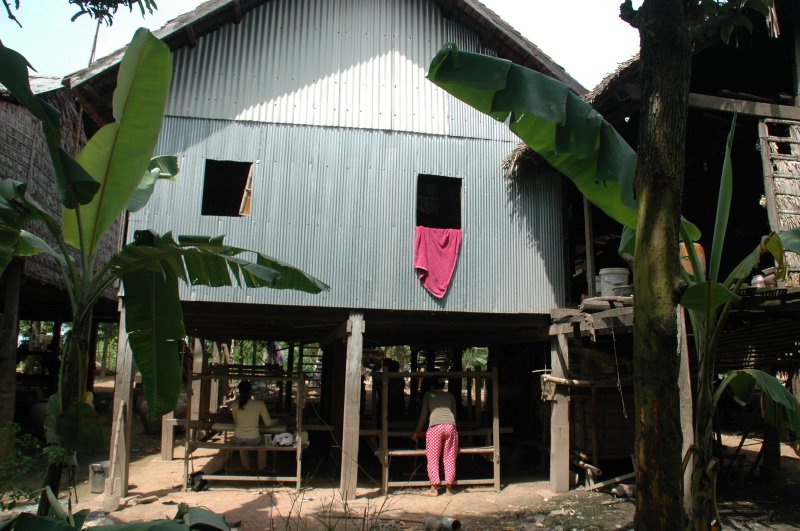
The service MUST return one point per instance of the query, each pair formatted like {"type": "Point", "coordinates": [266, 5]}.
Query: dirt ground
{"type": "Point", "coordinates": [524, 502]}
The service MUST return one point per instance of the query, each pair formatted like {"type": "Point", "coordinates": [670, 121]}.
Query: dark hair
{"type": "Point", "coordinates": [244, 392]}
{"type": "Point", "coordinates": [432, 383]}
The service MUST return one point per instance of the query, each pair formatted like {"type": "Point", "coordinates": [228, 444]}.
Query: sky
{"type": "Point", "coordinates": [586, 37]}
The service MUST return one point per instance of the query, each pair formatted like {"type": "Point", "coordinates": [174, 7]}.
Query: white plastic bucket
{"type": "Point", "coordinates": [611, 278]}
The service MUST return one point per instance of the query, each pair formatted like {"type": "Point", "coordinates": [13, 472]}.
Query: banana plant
{"type": "Point", "coordinates": [577, 142]}
{"type": "Point", "coordinates": [708, 301]}
{"type": "Point", "coordinates": [115, 171]}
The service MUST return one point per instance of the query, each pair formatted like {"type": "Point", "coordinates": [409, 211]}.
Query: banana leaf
{"type": "Point", "coordinates": [17, 208]}
{"type": "Point", "coordinates": [161, 167]}
{"type": "Point", "coordinates": [79, 428]}
{"type": "Point", "coordinates": [150, 269]}
{"type": "Point", "coordinates": [154, 321]}
{"type": "Point", "coordinates": [117, 156]}
{"type": "Point", "coordinates": [779, 408]}
{"type": "Point", "coordinates": [553, 121]}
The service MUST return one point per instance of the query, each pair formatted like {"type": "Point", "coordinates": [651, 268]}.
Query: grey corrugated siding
{"type": "Point", "coordinates": [340, 205]}
{"type": "Point", "coordinates": [339, 63]}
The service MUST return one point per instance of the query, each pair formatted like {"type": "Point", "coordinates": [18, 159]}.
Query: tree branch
{"type": "Point", "coordinates": [10, 14]}
{"type": "Point", "coordinates": [712, 24]}
{"type": "Point", "coordinates": [628, 13]}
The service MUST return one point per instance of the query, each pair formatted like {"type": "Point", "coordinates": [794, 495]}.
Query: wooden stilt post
{"type": "Point", "coordinates": [123, 399]}
{"type": "Point", "coordinates": [352, 405]}
{"type": "Point", "coordinates": [496, 429]}
{"type": "Point", "coordinates": [197, 385]}
{"type": "Point", "coordinates": [213, 394]}
{"type": "Point", "coordinates": [559, 417]}
{"type": "Point", "coordinates": [384, 431]}
{"type": "Point", "coordinates": [686, 408]}
{"type": "Point", "coordinates": [9, 330]}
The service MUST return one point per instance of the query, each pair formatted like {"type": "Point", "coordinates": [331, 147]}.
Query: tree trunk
{"type": "Point", "coordinates": [9, 329]}
{"type": "Point", "coordinates": [71, 388]}
{"type": "Point", "coordinates": [665, 72]}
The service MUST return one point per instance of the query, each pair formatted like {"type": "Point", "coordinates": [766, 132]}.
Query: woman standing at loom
{"type": "Point", "coordinates": [441, 439]}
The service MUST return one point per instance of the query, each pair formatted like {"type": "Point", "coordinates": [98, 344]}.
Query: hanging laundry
{"type": "Point", "coordinates": [435, 257]}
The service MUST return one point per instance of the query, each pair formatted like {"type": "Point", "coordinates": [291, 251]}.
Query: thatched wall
{"type": "Point", "coordinates": [782, 165]}
{"type": "Point", "coordinates": [24, 157]}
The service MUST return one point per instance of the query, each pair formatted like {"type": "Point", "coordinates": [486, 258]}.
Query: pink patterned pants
{"type": "Point", "coordinates": [441, 441]}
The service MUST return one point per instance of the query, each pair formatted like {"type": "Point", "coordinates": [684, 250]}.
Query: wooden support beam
{"type": "Point", "coordinates": [167, 436]}
{"type": "Point", "coordinates": [9, 331]}
{"type": "Point", "coordinates": [117, 487]}
{"type": "Point", "coordinates": [352, 405]}
{"type": "Point", "coordinates": [748, 108]}
{"type": "Point", "coordinates": [197, 385]}
{"type": "Point", "coordinates": [559, 417]}
{"type": "Point", "coordinates": [214, 394]}
{"type": "Point", "coordinates": [686, 407]}
{"type": "Point", "coordinates": [496, 429]}
{"type": "Point", "coordinates": [589, 237]}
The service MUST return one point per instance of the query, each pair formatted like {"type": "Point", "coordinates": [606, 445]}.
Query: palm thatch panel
{"type": "Point", "coordinates": [782, 182]}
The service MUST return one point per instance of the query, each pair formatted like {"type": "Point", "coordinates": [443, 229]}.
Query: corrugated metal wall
{"type": "Point", "coordinates": [340, 204]}
{"type": "Point", "coordinates": [340, 63]}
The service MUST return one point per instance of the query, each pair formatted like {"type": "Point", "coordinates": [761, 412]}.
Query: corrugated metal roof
{"type": "Point", "coordinates": [305, 66]}
{"type": "Point", "coordinates": [95, 84]}
{"type": "Point", "coordinates": [340, 204]}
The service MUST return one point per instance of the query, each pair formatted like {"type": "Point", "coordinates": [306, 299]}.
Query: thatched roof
{"type": "Point", "coordinates": [95, 84]}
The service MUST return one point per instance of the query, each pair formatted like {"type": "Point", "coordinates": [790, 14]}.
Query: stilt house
{"type": "Point", "coordinates": [306, 130]}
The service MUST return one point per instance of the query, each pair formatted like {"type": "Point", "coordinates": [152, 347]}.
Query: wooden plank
{"type": "Point", "coordinates": [123, 396]}
{"type": "Point", "coordinates": [113, 484]}
{"type": "Point", "coordinates": [352, 406]}
{"type": "Point", "coordinates": [496, 429]}
{"type": "Point", "coordinates": [301, 402]}
{"type": "Point", "coordinates": [589, 239]}
{"type": "Point", "coordinates": [214, 394]}
{"type": "Point", "coordinates": [716, 103]}
{"type": "Point", "coordinates": [426, 483]}
{"type": "Point", "coordinates": [167, 436]}
{"type": "Point", "coordinates": [411, 452]}
{"type": "Point", "coordinates": [616, 318]}
{"type": "Point", "coordinates": [611, 481]}
{"type": "Point", "coordinates": [254, 478]}
{"type": "Point", "coordinates": [559, 417]}
{"type": "Point", "coordinates": [197, 385]}
{"type": "Point", "coordinates": [228, 446]}
{"type": "Point", "coordinates": [686, 407]}
{"type": "Point", "coordinates": [749, 108]}
{"type": "Point", "coordinates": [9, 331]}
{"type": "Point", "coordinates": [384, 430]}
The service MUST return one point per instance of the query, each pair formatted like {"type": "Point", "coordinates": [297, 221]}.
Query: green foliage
{"type": "Point", "coordinates": [194, 519]}
{"type": "Point", "coordinates": [553, 121]}
{"type": "Point", "coordinates": [100, 10]}
{"type": "Point", "coordinates": [163, 167]}
{"type": "Point", "coordinates": [476, 358]}
{"type": "Point", "coordinates": [23, 463]}
{"type": "Point", "coordinates": [115, 170]}
{"type": "Point", "coordinates": [119, 154]}
{"type": "Point", "coordinates": [105, 10]}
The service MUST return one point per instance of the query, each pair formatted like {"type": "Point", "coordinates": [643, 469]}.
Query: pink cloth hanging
{"type": "Point", "coordinates": [435, 257]}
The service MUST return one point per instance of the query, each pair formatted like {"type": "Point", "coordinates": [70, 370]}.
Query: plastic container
{"type": "Point", "coordinates": [611, 278]}
{"type": "Point", "coordinates": [98, 472]}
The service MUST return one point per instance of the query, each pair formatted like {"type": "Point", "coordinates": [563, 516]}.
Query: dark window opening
{"type": "Point", "coordinates": [226, 188]}
{"type": "Point", "coordinates": [439, 202]}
